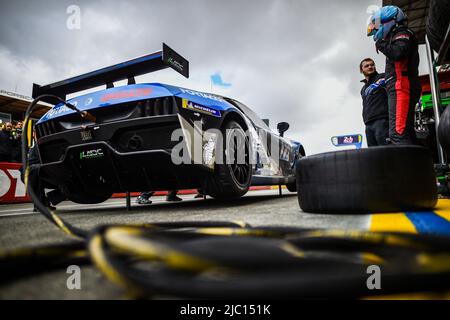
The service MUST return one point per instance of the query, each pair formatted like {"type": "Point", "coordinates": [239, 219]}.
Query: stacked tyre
{"type": "Point", "coordinates": [444, 131]}
{"type": "Point", "coordinates": [437, 23]}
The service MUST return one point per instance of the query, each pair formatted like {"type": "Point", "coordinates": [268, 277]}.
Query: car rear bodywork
{"type": "Point", "coordinates": [136, 132]}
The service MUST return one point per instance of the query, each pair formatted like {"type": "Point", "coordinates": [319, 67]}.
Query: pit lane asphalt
{"type": "Point", "coordinates": [20, 227]}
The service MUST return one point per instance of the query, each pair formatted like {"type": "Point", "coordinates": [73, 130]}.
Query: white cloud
{"type": "Point", "coordinates": [332, 52]}
{"type": "Point", "coordinates": [291, 60]}
{"type": "Point", "coordinates": [18, 75]}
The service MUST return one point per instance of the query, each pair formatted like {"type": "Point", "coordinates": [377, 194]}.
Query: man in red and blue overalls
{"type": "Point", "coordinates": [400, 46]}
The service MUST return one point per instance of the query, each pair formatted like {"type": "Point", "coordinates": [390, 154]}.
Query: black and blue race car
{"type": "Point", "coordinates": [136, 135]}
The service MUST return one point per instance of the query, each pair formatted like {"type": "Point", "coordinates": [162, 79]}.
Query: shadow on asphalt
{"type": "Point", "coordinates": [208, 204]}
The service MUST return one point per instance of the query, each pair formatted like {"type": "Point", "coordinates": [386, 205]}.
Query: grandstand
{"type": "Point", "coordinates": [14, 105]}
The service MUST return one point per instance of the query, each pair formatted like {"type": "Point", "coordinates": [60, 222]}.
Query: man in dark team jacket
{"type": "Point", "coordinates": [375, 104]}
{"type": "Point", "coordinates": [7, 143]}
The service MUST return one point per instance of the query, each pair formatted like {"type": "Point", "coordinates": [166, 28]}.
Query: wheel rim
{"type": "Point", "coordinates": [240, 171]}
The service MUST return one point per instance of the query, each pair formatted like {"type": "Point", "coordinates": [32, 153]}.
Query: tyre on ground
{"type": "Point", "coordinates": [84, 197]}
{"type": "Point", "coordinates": [377, 179]}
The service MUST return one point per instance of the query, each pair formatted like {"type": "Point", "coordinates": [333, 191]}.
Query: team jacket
{"type": "Point", "coordinates": [7, 143]}
{"type": "Point", "coordinates": [374, 97]}
{"type": "Point", "coordinates": [402, 60]}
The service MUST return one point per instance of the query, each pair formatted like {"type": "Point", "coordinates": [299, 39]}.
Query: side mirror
{"type": "Point", "coordinates": [282, 128]}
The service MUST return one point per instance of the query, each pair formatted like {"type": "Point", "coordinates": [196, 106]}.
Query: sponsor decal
{"type": "Point", "coordinates": [134, 93]}
{"type": "Point", "coordinates": [57, 110]}
{"type": "Point", "coordinates": [346, 140]}
{"type": "Point", "coordinates": [175, 63]}
{"type": "Point", "coordinates": [88, 101]}
{"type": "Point", "coordinates": [91, 154]}
{"type": "Point", "coordinates": [86, 135]}
{"type": "Point", "coordinates": [186, 104]}
{"type": "Point", "coordinates": [202, 95]}
{"type": "Point", "coordinates": [402, 36]}
{"type": "Point", "coordinates": [12, 189]}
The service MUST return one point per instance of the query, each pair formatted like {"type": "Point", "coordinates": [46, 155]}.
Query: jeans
{"type": "Point", "coordinates": [377, 131]}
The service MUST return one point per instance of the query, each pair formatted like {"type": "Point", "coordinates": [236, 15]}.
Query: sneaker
{"type": "Point", "coordinates": [140, 200]}
{"type": "Point", "coordinates": [173, 198]}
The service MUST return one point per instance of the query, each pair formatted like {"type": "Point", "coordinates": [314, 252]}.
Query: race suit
{"type": "Point", "coordinates": [402, 82]}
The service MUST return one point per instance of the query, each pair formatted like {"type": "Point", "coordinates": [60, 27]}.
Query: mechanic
{"type": "Point", "coordinates": [375, 104]}
{"type": "Point", "coordinates": [144, 197]}
{"type": "Point", "coordinates": [399, 45]}
{"type": "Point", "coordinates": [17, 149]}
{"type": "Point", "coordinates": [200, 194]}
{"type": "Point", "coordinates": [7, 143]}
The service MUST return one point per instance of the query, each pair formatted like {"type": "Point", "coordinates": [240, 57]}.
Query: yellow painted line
{"type": "Point", "coordinates": [443, 209]}
{"type": "Point", "coordinates": [371, 258]}
{"type": "Point", "coordinates": [391, 222]}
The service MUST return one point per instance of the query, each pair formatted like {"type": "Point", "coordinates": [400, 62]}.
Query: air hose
{"type": "Point", "coordinates": [233, 260]}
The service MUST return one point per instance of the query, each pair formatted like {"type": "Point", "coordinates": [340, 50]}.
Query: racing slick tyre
{"type": "Point", "coordinates": [292, 187]}
{"type": "Point", "coordinates": [437, 23]}
{"type": "Point", "coordinates": [84, 197]}
{"type": "Point", "coordinates": [377, 179]}
{"type": "Point", "coordinates": [444, 131]}
{"type": "Point", "coordinates": [231, 179]}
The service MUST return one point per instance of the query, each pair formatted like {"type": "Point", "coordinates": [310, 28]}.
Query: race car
{"type": "Point", "coordinates": [154, 136]}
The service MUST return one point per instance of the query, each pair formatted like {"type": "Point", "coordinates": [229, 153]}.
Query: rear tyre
{"type": "Point", "coordinates": [83, 197]}
{"type": "Point", "coordinates": [292, 187]}
{"type": "Point", "coordinates": [231, 180]}
{"type": "Point", "coordinates": [377, 179]}
{"type": "Point", "coordinates": [444, 131]}
{"type": "Point", "coordinates": [437, 23]}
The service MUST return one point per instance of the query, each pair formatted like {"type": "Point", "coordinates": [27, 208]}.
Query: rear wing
{"type": "Point", "coordinates": [108, 75]}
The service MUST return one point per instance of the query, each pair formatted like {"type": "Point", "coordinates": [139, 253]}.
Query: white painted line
{"type": "Point", "coordinates": [115, 204]}
{"type": "Point", "coordinates": [75, 207]}
{"type": "Point", "coordinates": [60, 207]}
{"type": "Point", "coordinates": [111, 203]}
{"type": "Point", "coordinates": [16, 214]}
{"type": "Point", "coordinates": [14, 210]}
